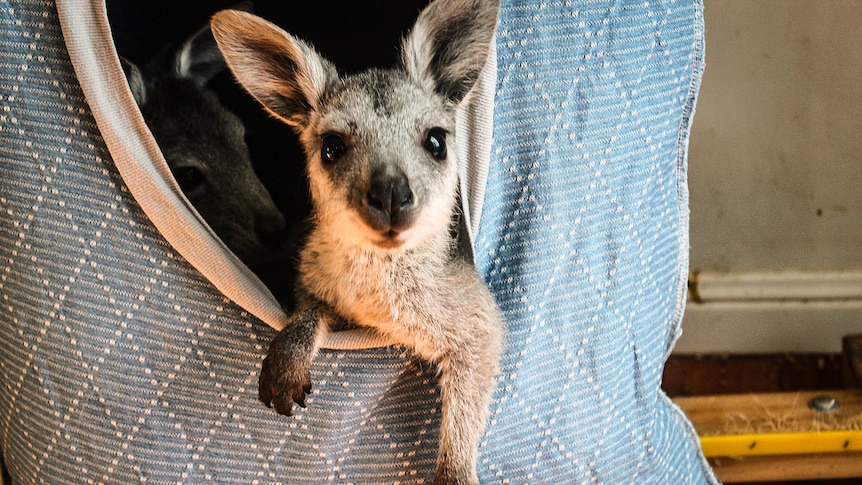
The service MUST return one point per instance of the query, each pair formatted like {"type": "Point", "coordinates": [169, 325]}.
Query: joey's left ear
{"type": "Point", "coordinates": [199, 57]}
{"type": "Point", "coordinates": [286, 75]}
{"type": "Point", "coordinates": [448, 46]}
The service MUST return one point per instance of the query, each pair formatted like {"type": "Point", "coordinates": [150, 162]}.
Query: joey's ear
{"type": "Point", "coordinates": [198, 58]}
{"type": "Point", "coordinates": [447, 48]}
{"type": "Point", "coordinates": [135, 80]}
{"type": "Point", "coordinates": [283, 73]}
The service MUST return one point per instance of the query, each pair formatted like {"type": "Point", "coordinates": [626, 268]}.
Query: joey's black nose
{"type": "Point", "coordinates": [389, 194]}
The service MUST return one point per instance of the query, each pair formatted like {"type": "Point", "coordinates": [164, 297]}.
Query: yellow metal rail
{"type": "Point", "coordinates": [760, 444]}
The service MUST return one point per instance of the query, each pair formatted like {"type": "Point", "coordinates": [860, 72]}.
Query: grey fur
{"type": "Point", "coordinates": [381, 252]}
{"type": "Point", "coordinates": [205, 147]}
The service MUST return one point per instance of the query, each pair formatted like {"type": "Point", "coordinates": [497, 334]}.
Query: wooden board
{"type": "Point", "coordinates": [706, 375]}
{"type": "Point", "coordinates": [789, 467]}
{"type": "Point", "coordinates": [771, 436]}
{"type": "Point", "coordinates": [782, 412]}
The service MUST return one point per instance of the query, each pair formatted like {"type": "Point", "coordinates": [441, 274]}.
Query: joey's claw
{"type": "Point", "coordinates": [300, 400]}
{"type": "Point", "coordinates": [264, 385]}
{"type": "Point", "coordinates": [264, 394]}
{"type": "Point", "coordinates": [283, 405]}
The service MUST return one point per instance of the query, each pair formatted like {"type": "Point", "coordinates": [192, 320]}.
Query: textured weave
{"type": "Point", "coordinates": [120, 363]}
{"type": "Point", "coordinates": [584, 238]}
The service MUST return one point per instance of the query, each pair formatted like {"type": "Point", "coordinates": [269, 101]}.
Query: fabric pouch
{"type": "Point", "coordinates": [131, 338]}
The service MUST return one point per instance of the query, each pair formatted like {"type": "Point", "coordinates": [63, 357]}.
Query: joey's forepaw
{"type": "Point", "coordinates": [283, 381]}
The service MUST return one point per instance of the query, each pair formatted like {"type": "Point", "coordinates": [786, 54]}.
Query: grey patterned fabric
{"type": "Point", "coordinates": [121, 363]}
{"type": "Point", "coordinates": [138, 160]}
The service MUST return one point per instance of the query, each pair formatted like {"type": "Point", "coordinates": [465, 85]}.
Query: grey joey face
{"type": "Point", "coordinates": [380, 165]}
{"type": "Point", "coordinates": [381, 170]}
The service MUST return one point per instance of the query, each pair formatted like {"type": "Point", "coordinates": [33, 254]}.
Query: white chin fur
{"type": "Point", "coordinates": [360, 234]}
{"type": "Point", "coordinates": [403, 240]}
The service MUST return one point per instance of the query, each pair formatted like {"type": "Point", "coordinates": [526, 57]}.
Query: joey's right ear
{"type": "Point", "coordinates": [135, 80]}
{"type": "Point", "coordinates": [283, 73]}
{"type": "Point", "coordinates": [447, 47]}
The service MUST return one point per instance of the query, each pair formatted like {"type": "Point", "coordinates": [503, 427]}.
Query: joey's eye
{"type": "Point", "coordinates": [435, 143]}
{"type": "Point", "coordinates": [332, 147]}
{"type": "Point", "coordinates": [188, 178]}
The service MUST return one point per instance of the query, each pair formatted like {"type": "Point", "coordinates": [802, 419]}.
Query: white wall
{"type": "Point", "coordinates": [775, 169]}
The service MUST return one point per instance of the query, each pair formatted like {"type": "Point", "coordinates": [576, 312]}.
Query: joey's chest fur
{"type": "Point", "coordinates": [384, 290]}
